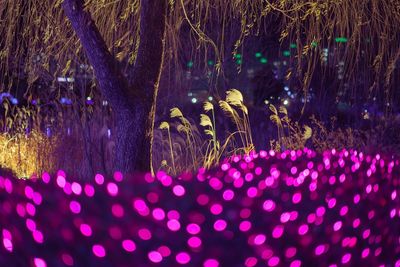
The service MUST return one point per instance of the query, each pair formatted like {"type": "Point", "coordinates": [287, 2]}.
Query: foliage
{"type": "Point", "coordinates": [27, 155]}
{"type": "Point", "coordinates": [207, 150]}
{"type": "Point", "coordinates": [38, 42]}
{"type": "Point", "coordinates": [290, 134]}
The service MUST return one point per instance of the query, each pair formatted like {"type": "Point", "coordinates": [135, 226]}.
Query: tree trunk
{"type": "Point", "coordinates": [133, 101]}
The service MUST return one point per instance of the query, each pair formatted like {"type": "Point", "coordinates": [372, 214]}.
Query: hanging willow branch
{"type": "Point", "coordinates": [37, 37]}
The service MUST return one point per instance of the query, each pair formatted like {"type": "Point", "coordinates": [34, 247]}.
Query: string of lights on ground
{"type": "Point", "coordinates": [296, 208]}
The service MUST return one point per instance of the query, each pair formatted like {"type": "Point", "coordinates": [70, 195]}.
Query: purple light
{"type": "Point", "coordinates": [155, 256]}
{"type": "Point", "coordinates": [158, 214]}
{"type": "Point", "coordinates": [112, 189]}
{"type": "Point", "coordinates": [174, 225]}
{"type": "Point", "coordinates": [193, 229]}
{"type": "Point", "coordinates": [75, 207]}
{"type": "Point", "coordinates": [269, 205]}
{"type": "Point", "coordinates": [128, 245]}
{"type": "Point", "coordinates": [99, 179]}
{"type": "Point", "coordinates": [99, 251]}
{"type": "Point", "coordinates": [179, 190]}
{"type": "Point", "coordinates": [39, 262]}
{"type": "Point", "coordinates": [85, 229]}
{"type": "Point", "coordinates": [220, 225]}
{"type": "Point", "coordinates": [183, 258]}
{"type": "Point", "coordinates": [211, 263]}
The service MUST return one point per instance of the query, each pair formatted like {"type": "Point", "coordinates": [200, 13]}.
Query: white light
{"type": "Point", "coordinates": [105, 103]}
{"type": "Point", "coordinates": [266, 102]}
{"type": "Point", "coordinates": [194, 100]}
{"type": "Point", "coordinates": [286, 88]}
{"type": "Point", "coordinates": [286, 102]}
{"type": "Point", "coordinates": [210, 98]}
{"type": "Point", "coordinates": [88, 98]}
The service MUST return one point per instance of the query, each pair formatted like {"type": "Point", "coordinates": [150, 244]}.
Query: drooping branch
{"type": "Point", "coordinates": [112, 83]}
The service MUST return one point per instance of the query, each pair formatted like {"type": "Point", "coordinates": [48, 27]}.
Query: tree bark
{"type": "Point", "coordinates": [133, 101]}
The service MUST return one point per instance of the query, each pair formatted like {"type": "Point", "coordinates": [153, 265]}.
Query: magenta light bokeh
{"type": "Point", "coordinates": [295, 208]}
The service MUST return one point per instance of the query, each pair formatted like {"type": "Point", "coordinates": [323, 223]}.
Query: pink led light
{"type": "Point", "coordinates": [75, 207]}
{"type": "Point", "coordinates": [46, 177]}
{"type": "Point", "coordinates": [274, 261]}
{"type": "Point", "coordinates": [61, 181]}
{"type": "Point", "coordinates": [319, 250]}
{"type": "Point", "coordinates": [158, 214]}
{"type": "Point", "coordinates": [38, 236]}
{"type": "Point", "coordinates": [85, 229]}
{"type": "Point", "coordinates": [365, 253]}
{"type": "Point", "coordinates": [269, 205]}
{"type": "Point", "coordinates": [37, 198]}
{"type": "Point", "coordinates": [211, 263]}
{"type": "Point", "coordinates": [178, 190]}
{"type": "Point", "coordinates": [7, 243]}
{"type": "Point", "coordinates": [296, 198]}
{"type": "Point", "coordinates": [331, 203]}
{"type": "Point", "coordinates": [89, 190]}
{"type": "Point", "coordinates": [194, 242]}
{"type": "Point", "coordinates": [346, 258]}
{"type": "Point", "coordinates": [259, 239]}
{"type": "Point", "coordinates": [67, 259]}
{"type": "Point", "coordinates": [356, 223]}
{"type": "Point", "coordinates": [252, 192]}
{"type": "Point", "coordinates": [112, 189]}
{"type": "Point", "coordinates": [21, 210]}
{"type": "Point", "coordinates": [99, 179]}
{"type": "Point", "coordinates": [337, 225]}
{"type": "Point", "coordinates": [99, 251]}
{"type": "Point", "coordinates": [173, 225]}
{"type": "Point", "coordinates": [155, 256]}
{"type": "Point", "coordinates": [31, 225]}
{"type": "Point", "coordinates": [285, 217]}
{"type": "Point", "coordinates": [303, 229]}
{"type": "Point", "coordinates": [76, 188]}
{"type": "Point", "coordinates": [128, 245]}
{"type": "Point", "coordinates": [30, 209]}
{"type": "Point", "coordinates": [295, 263]}
{"type": "Point", "coordinates": [220, 225]}
{"type": "Point", "coordinates": [245, 226]}
{"type": "Point", "coordinates": [193, 229]}
{"type": "Point", "coordinates": [278, 231]}
{"type": "Point", "coordinates": [183, 258]}
{"type": "Point", "coordinates": [216, 209]}
{"type": "Point", "coordinates": [39, 262]}
{"type": "Point", "coordinates": [118, 177]}
{"type": "Point", "coordinates": [144, 234]}
{"type": "Point", "coordinates": [164, 251]}
{"type": "Point", "coordinates": [290, 252]}
{"type": "Point", "coordinates": [28, 192]}
{"type": "Point", "coordinates": [117, 210]}
{"type": "Point", "coordinates": [228, 195]}
{"type": "Point", "coordinates": [251, 262]}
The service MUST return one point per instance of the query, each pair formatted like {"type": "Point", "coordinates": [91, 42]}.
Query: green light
{"type": "Point", "coordinates": [341, 40]}
{"type": "Point", "coordinates": [293, 45]}
{"type": "Point", "coordinates": [286, 53]}
{"type": "Point", "coordinates": [258, 54]}
{"type": "Point", "coordinates": [263, 60]}
{"type": "Point", "coordinates": [210, 63]}
{"type": "Point", "coordinates": [239, 61]}
{"type": "Point", "coordinates": [238, 56]}
{"type": "Point", "coordinates": [314, 44]}
{"type": "Point", "coordinates": [190, 64]}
